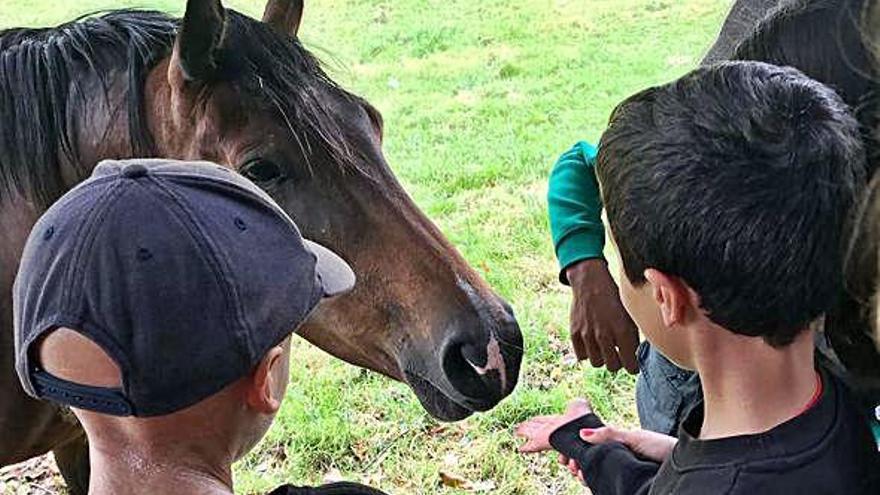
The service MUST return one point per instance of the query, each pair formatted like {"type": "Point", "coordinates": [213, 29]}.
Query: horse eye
{"type": "Point", "coordinates": [262, 172]}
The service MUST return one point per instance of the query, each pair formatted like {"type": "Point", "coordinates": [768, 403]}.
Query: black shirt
{"type": "Point", "coordinates": [341, 488]}
{"type": "Point", "coordinates": [826, 450]}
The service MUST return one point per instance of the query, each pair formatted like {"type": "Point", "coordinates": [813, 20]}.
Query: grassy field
{"type": "Point", "coordinates": [479, 97]}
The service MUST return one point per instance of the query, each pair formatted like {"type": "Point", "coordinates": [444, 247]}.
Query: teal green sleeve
{"type": "Point", "coordinates": [575, 208]}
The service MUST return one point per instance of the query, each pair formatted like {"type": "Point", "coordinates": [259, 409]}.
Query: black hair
{"type": "Point", "coordinates": [736, 178]}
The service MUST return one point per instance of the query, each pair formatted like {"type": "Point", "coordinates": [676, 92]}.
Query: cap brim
{"type": "Point", "coordinates": [336, 276]}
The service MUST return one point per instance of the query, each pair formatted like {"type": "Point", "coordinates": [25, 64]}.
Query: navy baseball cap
{"type": "Point", "coordinates": [184, 273]}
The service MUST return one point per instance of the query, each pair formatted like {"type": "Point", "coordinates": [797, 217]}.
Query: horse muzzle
{"type": "Point", "coordinates": [475, 367]}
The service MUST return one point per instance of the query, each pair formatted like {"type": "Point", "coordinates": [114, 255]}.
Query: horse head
{"type": "Point", "coordinates": [245, 94]}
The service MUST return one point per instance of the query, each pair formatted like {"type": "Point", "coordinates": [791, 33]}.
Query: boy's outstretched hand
{"type": "Point", "coordinates": [647, 444]}
{"type": "Point", "coordinates": [537, 430]}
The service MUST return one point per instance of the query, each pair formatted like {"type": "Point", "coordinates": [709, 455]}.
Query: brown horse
{"type": "Point", "coordinates": [220, 86]}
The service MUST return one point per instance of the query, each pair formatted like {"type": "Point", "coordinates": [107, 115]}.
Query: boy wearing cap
{"type": "Point", "coordinates": [727, 192]}
{"type": "Point", "coordinates": [157, 299]}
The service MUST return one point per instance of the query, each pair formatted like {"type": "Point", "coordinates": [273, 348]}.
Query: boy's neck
{"type": "Point", "coordinates": [750, 387]}
{"type": "Point", "coordinates": [128, 472]}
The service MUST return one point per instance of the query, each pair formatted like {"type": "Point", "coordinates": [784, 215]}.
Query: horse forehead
{"type": "Point", "coordinates": [238, 121]}
{"type": "Point", "coordinates": [212, 107]}
{"type": "Point", "coordinates": [226, 109]}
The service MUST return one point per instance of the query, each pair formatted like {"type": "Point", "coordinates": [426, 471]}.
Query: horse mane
{"type": "Point", "coordinates": [42, 77]}
{"type": "Point", "coordinates": [45, 75]}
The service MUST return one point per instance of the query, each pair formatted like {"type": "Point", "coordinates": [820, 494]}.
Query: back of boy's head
{"type": "Point", "coordinates": [738, 179]}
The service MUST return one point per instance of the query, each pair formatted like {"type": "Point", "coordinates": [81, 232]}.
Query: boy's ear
{"type": "Point", "coordinates": [673, 297]}
{"type": "Point", "coordinates": [262, 394]}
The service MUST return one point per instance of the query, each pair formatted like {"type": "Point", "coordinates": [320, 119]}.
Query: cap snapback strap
{"type": "Point", "coordinates": [98, 399]}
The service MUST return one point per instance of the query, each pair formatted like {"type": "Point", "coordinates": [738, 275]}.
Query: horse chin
{"type": "Point", "coordinates": [438, 404]}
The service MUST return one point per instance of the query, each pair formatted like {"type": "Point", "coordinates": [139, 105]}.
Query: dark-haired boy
{"type": "Point", "coordinates": [726, 193]}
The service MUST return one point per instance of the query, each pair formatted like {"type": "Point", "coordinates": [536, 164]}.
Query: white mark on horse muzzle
{"type": "Point", "coordinates": [494, 361]}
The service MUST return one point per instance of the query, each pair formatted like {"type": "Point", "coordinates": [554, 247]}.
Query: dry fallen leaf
{"type": "Point", "coordinates": [438, 429]}
{"type": "Point", "coordinates": [461, 483]}
{"type": "Point", "coordinates": [454, 481]}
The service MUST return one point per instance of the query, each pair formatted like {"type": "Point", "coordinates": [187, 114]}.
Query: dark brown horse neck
{"type": "Point", "coordinates": [55, 129]}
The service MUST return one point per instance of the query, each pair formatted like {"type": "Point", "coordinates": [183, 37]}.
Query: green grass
{"type": "Point", "coordinates": [479, 97]}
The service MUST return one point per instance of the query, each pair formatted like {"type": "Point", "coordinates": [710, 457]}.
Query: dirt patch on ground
{"type": "Point", "coordinates": [38, 476]}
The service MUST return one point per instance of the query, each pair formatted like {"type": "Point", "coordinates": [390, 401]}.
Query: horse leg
{"type": "Point", "coordinates": [72, 459]}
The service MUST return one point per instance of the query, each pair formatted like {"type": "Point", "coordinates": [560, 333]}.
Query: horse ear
{"type": "Point", "coordinates": [284, 16]}
{"type": "Point", "coordinates": [201, 38]}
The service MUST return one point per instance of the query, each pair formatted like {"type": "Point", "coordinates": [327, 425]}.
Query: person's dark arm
{"type": "Point", "coordinates": [609, 468]}
{"type": "Point", "coordinates": [601, 330]}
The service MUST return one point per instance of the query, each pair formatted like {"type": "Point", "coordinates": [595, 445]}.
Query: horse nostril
{"type": "Point", "coordinates": [468, 371]}
{"type": "Point", "coordinates": [482, 355]}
